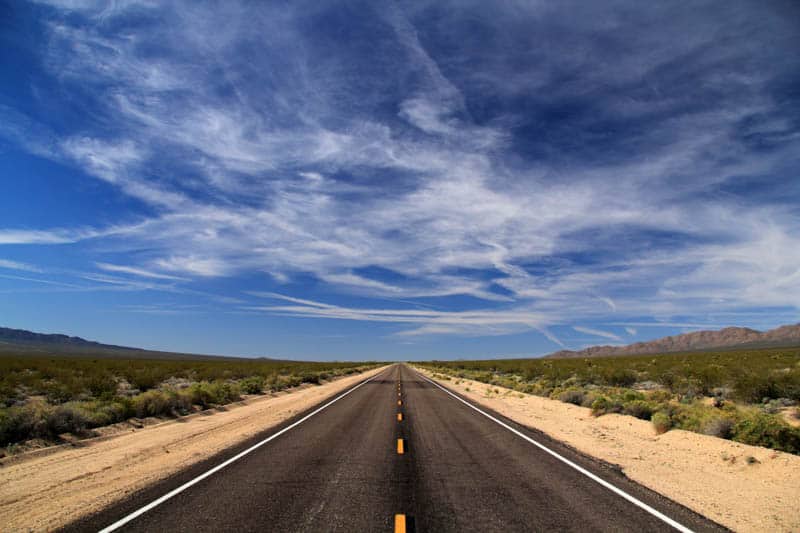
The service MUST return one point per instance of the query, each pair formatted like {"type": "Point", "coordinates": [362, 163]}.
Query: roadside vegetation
{"type": "Point", "coordinates": [746, 396]}
{"type": "Point", "coordinates": [43, 398]}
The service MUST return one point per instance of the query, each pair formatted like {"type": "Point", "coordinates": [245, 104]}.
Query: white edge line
{"type": "Point", "coordinates": [566, 461]}
{"type": "Point", "coordinates": [122, 521]}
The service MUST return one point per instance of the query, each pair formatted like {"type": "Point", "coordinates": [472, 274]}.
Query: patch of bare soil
{"type": "Point", "coordinates": [43, 491]}
{"type": "Point", "coordinates": [745, 488]}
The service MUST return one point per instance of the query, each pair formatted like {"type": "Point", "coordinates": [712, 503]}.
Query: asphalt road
{"type": "Point", "coordinates": [340, 470]}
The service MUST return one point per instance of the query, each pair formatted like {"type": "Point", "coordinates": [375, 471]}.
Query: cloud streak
{"type": "Point", "coordinates": [560, 165]}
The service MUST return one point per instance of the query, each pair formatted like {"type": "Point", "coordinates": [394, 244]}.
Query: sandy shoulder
{"type": "Point", "coordinates": [45, 492]}
{"type": "Point", "coordinates": [709, 475]}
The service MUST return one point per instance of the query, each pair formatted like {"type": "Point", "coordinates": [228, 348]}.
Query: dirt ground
{"type": "Point", "coordinates": [44, 491]}
{"type": "Point", "coordinates": [745, 488]}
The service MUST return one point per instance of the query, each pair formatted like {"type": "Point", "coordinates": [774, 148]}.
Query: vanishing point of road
{"type": "Point", "coordinates": [399, 453]}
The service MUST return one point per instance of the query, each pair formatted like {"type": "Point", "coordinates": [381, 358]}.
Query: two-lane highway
{"type": "Point", "coordinates": [341, 469]}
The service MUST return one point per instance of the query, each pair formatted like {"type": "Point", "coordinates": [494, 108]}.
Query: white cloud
{"type": "Point", "coordinates": [16, 265]}
{"type": "Point", "coordinates": [597, 333]}
{"type": "Point", "coordinates": [252, 181]}
{"type": "Point", "coordinates": [136, 271]}
{"type": "Point", "coordinates": [425, 321]}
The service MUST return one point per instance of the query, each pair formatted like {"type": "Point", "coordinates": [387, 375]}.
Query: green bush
{"type": "Point", "coordinates": [767, 430]}
{"type": "Point", "coordinates": [310, 378]}
{"type": "Point", "coordinates": [20, 423]}
{"type": "Point", "coordinates": [252, 385]}
{"type": "Point", "coordinates": [573, 396]}
{"type": "Point", "coordinates": [151, 403]}
{"type": "Point", "coordinates": [719, 427]}
{"type": "Point", "coordinates": [57, 393]}
{"type": "Point", "coordinates": [604, 405]}
{"type": "Point", "coordinates": [661, 422]}
{"type": "Point", "coordinates": [65, 419]}
{"type": "Point", "coordinates": [620, 377]}
{"type": "Point", "coordinates": [639, 409]}
{"type": "Point", "coordinates": [101, 386]}
{"type": "Point", "coordinates": [208, 394]}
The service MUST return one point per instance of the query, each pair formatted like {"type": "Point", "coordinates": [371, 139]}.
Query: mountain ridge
{"type": "Point", "coordinates": [29, 343]}
{"type": "Point", "coordinates": [730, 337]}
{"type": "Point", "coordinates": [23, 336]}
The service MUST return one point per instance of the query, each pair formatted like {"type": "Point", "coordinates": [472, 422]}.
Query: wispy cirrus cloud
{"type": "Point", "coordinates": [423, 321]}
{"type": "Point", "coordinates": [122, 269]}
{"type": "Point", "coordinates": [16, 265]}
{"type": "Point", "coordinates": [598, 333]}
{"type": "Point", "coordinates": [533, 173]}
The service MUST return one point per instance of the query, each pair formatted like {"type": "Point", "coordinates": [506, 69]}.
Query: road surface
{"type": "Point", "coordinates": [339, 468]}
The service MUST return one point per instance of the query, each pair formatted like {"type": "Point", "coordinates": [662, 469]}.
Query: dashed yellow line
{"type": "Point", "coordinates": [399, 402]}
{"type": "Point", "coordinates": [399, 523]}
{"type": "Point", "coordinates": [399, 417]}
{"type": "Point", "coordinates": [401, 448]}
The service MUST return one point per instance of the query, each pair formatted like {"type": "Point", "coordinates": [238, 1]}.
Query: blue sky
{"type": "Point", "coordinates": [397, 180]}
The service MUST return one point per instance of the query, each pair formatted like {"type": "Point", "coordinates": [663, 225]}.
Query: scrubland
{"type": "Point", "coordinates": [44, 398]}
{"type": "Point", "coordinates": [746, 396]}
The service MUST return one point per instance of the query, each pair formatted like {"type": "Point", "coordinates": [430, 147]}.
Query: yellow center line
{"type": "Point", "coordinates": [399, 523]}
{"type": "Point", "coordinates": [399, 402]}
{"type": "Point", "coordinates": [399, 417]}
{"type": "Point", "coordinates": [400, 447]}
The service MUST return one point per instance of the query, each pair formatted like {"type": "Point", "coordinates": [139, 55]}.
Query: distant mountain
{"type": "Point", "coordinates": [698, 340]}
{"type": "Point", "coordinates": [28, 343]}
{"type": "Point", "coordinates": [29, 338]}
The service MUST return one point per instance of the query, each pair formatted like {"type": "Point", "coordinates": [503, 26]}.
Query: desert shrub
{"type": "Point", "coordinates": [573, 396]}
{"type": "Point", "coordinates": [202, 394]}
{"type": "Point", "coordinates": [103, 413]}
{"type": "Point", "coordinates": [57, 393]}
{"type": "Point", "coordinates": [661, 422]}
{"type": "Point", "coordinates": [228, 392]}
{"type": "Point", "coordinates": [668, 379]}
{"type": "Point", "coordinates": [688, 389]}
{"type": "Point", "coordinates": [753, 388]}
{"type": "Point", "coordinates": [620, 377]}
{"type": "Point", "coordinates": [292, 381]}
{"type": "Point", "coordinates": [708, 377]}
{"type": "Point", "coordinates": [719, 427]}
{"type": "Point", "coordinates": [20, 423]}
{"type": "Point", "coordinates": [639, 409]}
{"type": "Point", "coordinates": [589, 398]}
{"type": "Point", "coordinates": [310, 378]}
{"type": "Point", "coordinates": [144, 378]}
{"type": "Point", "coordinates": [101, 386]}
{"type": "Point", "coordinates": [659, 396]}
{"type": "Point", "coordinates": [252, 385]}
{"type": "Point", "coordinates": [761, 429]}
{"type": "Point", "coordinates": [632, 396]}
{"type": "Point", "coordinates": [65, 419]}
{"type": "Point", "coordinates": [151, 403]}
{"type": "Point", "coordinates": [603, 405]}
{"type": "Point", "coordinates": [207, 394]}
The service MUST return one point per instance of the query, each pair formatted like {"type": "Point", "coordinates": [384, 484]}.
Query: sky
{"type": "Point", "coordinates": [398, 180]}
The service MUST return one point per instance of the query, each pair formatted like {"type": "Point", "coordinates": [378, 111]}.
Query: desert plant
{"type": "Point", "coordinates": [573, 396]}
{"type": "Point", "coordinates": [65, 419]}
{"type": "Point", "coordinates": [661, 422]}
{"type": "Point", "coordinates": [252, 385]}
{"type": "Point", "coordinates": [719, 427]}
{"type": "Point", "coordinates": [761, 429]}
{"type": "Point", "coordinates": [639, 409]}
